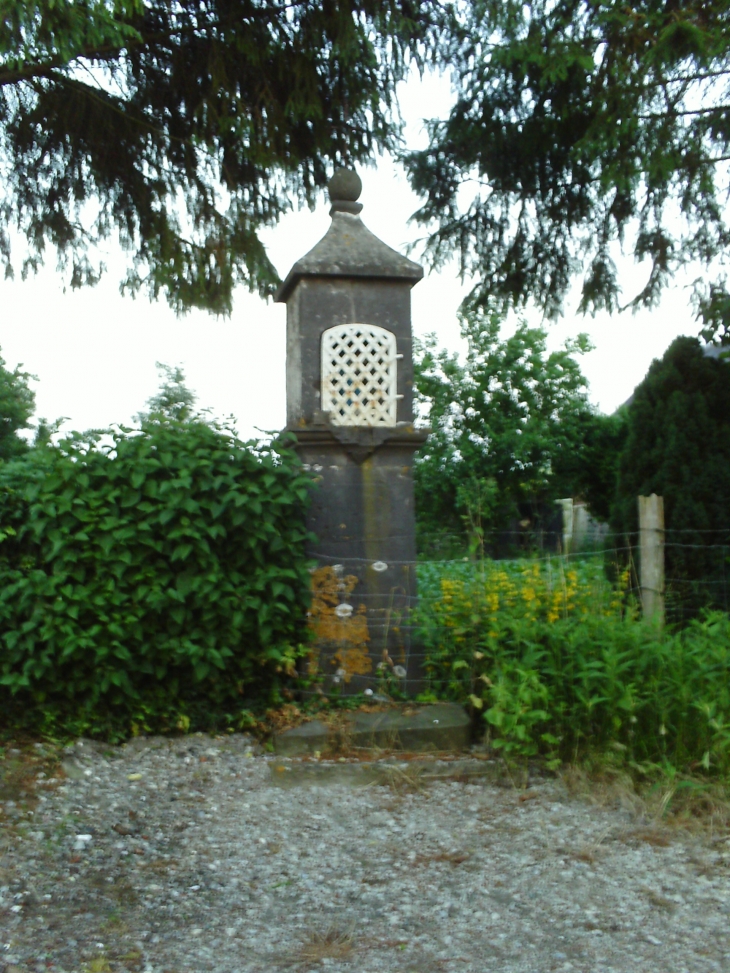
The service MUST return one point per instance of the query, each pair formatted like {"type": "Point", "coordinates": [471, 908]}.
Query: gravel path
{"type": "Point", "coordinates": [184, 856]}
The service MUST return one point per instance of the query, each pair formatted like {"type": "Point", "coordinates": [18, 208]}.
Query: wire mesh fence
{"type": "Point", "coordinates": [597, 579]}
{"type": "Point", "coordinates": [696, 561]}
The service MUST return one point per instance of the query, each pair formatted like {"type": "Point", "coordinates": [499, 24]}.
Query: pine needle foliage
{"type": "Point", "coordinates": [579, 128]}
{"type": "Point", "coordinates": [185, 128]}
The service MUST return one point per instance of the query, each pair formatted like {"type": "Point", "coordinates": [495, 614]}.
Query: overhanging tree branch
{"type": "Point", "coordinates": [598, 115]}
{"type": "Point", "coordinates": [219, 116]}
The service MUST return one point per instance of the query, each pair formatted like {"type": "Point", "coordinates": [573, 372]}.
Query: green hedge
{"type": "Point", "coordinates": [150, 577]}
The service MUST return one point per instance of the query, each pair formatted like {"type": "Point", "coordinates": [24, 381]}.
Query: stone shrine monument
{"type": "Point", "coordinates": [349, 388]}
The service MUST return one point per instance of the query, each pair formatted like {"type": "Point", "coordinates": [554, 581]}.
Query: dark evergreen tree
{"type": "Point", "coordinates": [185, 128]}
{"type": "Point", "coordinates": [678, 446]}
{"type": "Point", "coordinates": [579, 127]}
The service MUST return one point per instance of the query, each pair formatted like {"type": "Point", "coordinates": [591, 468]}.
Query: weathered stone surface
{"type": "Point", "coordinates": [345, 184]}
{"type": "Point", "coordinates": [437, 727]}
{"type": "Point", "coordinates": [322, 301]}
{"type": "Point", "coordinates": [442, 726]}
{"type": "Point", "coordinates": [411, 774]}
{"type": "Point", "coordinates": [362, 510]}
{"type": "Point", "coordinates": [304, 739]}
{"type": "Point", "coordinates": [350, 249]}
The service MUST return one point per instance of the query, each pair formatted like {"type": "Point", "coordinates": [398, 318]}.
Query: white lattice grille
{"type": "Point", "coordinates": [359, 375]}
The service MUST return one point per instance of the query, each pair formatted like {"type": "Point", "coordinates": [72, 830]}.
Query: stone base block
{"type": "Point", "coordinates": [436, 728]}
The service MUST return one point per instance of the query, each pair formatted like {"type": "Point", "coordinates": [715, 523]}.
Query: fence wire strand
{"type": "Point", "coordinates": [686, 592]}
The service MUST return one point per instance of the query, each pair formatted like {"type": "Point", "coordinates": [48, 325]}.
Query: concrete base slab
{"type": "Point", "coordinates": [437, 727]}
{"type": "Point", "coordinates": [413, 774]}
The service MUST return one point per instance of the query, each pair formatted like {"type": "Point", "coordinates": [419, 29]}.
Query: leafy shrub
{"type": "Point", "coordinates": [152, 576]}
{"type": "Point", "coordinates": [557, 661]}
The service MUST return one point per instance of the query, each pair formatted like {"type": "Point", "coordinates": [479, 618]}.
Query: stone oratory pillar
{"type": "Point", "coordinates": [349, 387]}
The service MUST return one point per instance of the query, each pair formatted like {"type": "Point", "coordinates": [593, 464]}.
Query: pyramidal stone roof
{"type": "Point", "coordinates": [349, 248]}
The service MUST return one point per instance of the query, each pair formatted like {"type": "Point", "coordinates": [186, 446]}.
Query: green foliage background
{"type": "Point", "coordinates": [154, 577]}
{"type": "Point", "coordinates": [512, 432]}
{"type": "Point", "coordinates": [581, 127]}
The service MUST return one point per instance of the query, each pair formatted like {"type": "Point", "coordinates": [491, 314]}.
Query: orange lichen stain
{"type": "Point", "coordinates": [347, 636]}
{"type": "Point", "coordinates": [354, 659]}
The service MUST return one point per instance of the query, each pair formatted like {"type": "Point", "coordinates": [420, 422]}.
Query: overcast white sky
{"type": "Point", "coordinates": [94, 352]}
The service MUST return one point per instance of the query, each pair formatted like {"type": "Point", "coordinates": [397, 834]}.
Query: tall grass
{"type": "Point", "coordinates": [558, 661]}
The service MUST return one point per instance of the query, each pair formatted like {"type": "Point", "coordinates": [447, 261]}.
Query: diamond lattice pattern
{"type": "Point", "coordinates": [359, 375]}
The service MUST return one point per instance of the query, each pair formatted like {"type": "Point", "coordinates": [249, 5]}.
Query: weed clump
{"type": "Point", "coordinates": [559, 664]}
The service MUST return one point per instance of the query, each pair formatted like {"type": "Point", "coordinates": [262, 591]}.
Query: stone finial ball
{"type": "Point", "coordinates": [345, 184]}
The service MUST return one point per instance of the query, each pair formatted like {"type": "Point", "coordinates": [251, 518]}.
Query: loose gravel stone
{"type": "Point", "coordinates": [184, 856]}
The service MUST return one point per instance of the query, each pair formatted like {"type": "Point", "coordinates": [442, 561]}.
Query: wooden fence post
{"type": "Point", "coordinates": [567, 508]}
{"type": "Point", "coordinates": [651, 556]}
